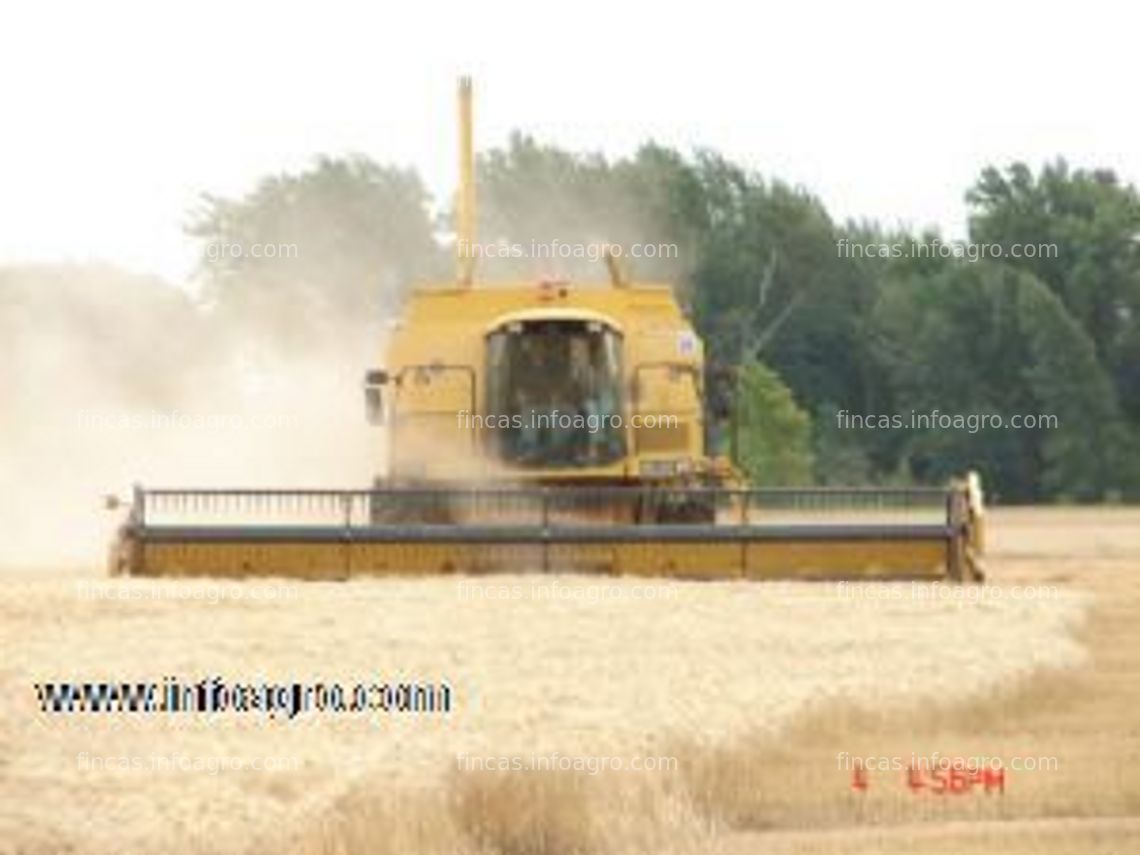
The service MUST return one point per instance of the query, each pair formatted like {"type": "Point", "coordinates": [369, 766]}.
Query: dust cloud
{"type": "Point", "coordinates": [108, 380]}
{"type": "Point", "coordinates": [548, 214]}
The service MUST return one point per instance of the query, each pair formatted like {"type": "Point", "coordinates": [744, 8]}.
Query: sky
{"type": "Point", "coordinates": [115, 117]}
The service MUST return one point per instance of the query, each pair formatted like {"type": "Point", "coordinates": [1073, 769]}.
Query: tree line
{"type": "Point", "coordinates": [820, 319]}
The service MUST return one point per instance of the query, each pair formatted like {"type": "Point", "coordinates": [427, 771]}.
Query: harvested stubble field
{"type": "Point", "coordinates": [752, 689]}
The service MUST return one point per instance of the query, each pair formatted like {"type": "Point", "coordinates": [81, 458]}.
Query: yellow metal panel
{"type": "Point", "coordinates": [671, 441]}
{"type": "Point", "coordinates": [407, 559]}
{"type": "Point", "coordinates": [805, 559]}
{"type": "Point", "coordinates": [580, 558]}
{"type": "Point", "coordinates": [235, 560]}
{"type": "Point", "coordinates": [425, 559]}
{"type": "Point", "coordinates": [479, 559]}
{"type": "Point", "coordinates": [680, 560]}
{"type": "Point", "coordinates": [505, 557]}
{"type": "Point", "coordinates": [852, 559]}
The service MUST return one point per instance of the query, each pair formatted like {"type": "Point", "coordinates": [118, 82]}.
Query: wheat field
{"type": "Point", "coordinates": [748, 690]}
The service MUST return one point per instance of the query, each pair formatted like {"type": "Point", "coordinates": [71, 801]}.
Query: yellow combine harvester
{"type": "Point", "coordinates": [557, 426]}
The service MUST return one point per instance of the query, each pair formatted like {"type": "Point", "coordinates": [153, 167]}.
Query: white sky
{"type": "Point", "coordinates": [115, 116]}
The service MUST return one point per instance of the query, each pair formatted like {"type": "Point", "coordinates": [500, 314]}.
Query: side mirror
{"type": "Point", "coordinates": [374, 396]}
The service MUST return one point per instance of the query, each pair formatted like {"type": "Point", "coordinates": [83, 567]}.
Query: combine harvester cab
{"type": "Point", "coordinates": [550, 426]}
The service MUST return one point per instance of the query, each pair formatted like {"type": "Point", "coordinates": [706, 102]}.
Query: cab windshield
{"type": "Point", "coordinates": [554, 394]}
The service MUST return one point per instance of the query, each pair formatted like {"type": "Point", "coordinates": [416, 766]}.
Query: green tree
{"type": "Point", "coordinates": [841, 455]}
{"type": "Point", "coordinates": [770, 284]}
{"type": "Point", "coordinates": [982, 339]}
{"type": "Point", "coordinates": [1089, 455]}
{"type": "Point", "coordinates": [1082, 232]}
{"type": "Point", "coordinates": [774, 433]}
